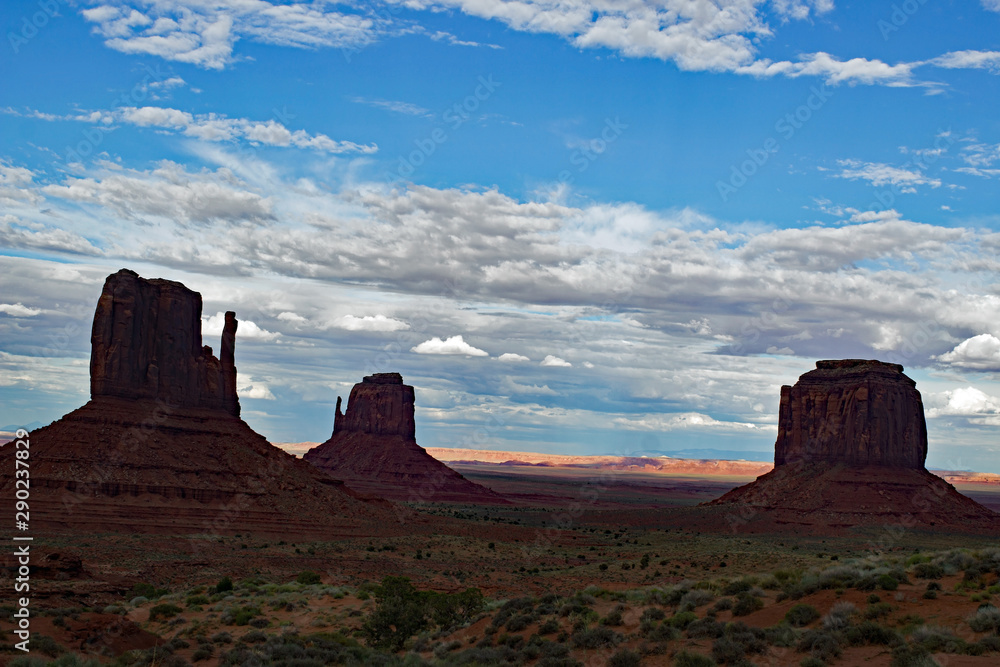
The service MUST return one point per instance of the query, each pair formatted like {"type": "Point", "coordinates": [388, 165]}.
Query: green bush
{"type": "Point", "coordinates": [308, 578]}
{"type": "Point", "coordinates": [928, 571]}
{"type": "Point", "coordinates": [688, 659]}
{"type": "Point", "coordinates": [682, 620]}
{"type": "Point", "coordinates": [887, 582]}
{"type": "Point", "coordinates": [225, 584]}
{"type": "Point", "coordinates": [197, 600]}
{"type": "Point", "coordinates": [912, 655]}
{"type": "Point", "coordinates": [242, 615]}
{"type": "Point", "coordinates": [599, 637]}
{"type": "Point", "coordinates": [165, 611]}
{"type": "Point", "coordinates": [801, 615]}
{"type": "Point", "coordinates": [625, 657]}
{"type": "Point", "coordinates": [148, 591]}
{"type": "Point", "coordinates": [45, 644]}
{"type": "Point", "coordinates": [746, 604]}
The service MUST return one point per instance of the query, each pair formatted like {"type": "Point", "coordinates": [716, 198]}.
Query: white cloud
{"type": "Point", "coordinates": [980, 352]}
{"type": "Point", "coordinates": [509, 386]}
{"type": "Point", "coordinates": [989, 60]}
{"type": "Point", "coordinates": [512, 356]}
{"type": "Point", "coordinates": [293, 318]}
{"type": "Point", "coordinates": [684, 421]}
{"type": "Point", "coordinates": [452, 345]}
{"type": "Point", "coordinates": [169, 191]}
{"type": "Point", "coordinates": [879, 174]}
{"type": "Point", "coordinates": [212, 326]}
{"type": "Point", "coordinates": [370, 323]}
{"type": "Point", "coordinates": [208, 127]}
{"type": "Point", "coordinates": [799, 9]}
{"type": "Point", "coordinates": [247, 387]}
{"type": "Point", "coordinates": [405, 108]}
{"type": "Point", "coordinates": [963, 402]}
{"type": "Point", "coordinates": [204, 34]}
{"type": "Point", "coordinates": [18, 310]}
{"type": "Point", "coordinates": [552, 360]}
{"type": "Point", "coordinates": [991, 5]}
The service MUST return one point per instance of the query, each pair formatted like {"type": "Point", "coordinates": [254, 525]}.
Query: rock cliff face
{"type": "Point", "coordinates": [850, 452]}
{"type": "Point", "coordinates": [160, 447]}
{"type": "Point", "coordinates": [853, 412]}
{"type": "Point", "coordinates": [379, 405]}
{"type": "Point", "coordinates": [374, 449]}
{"type": "Point", "coordinates": [146, 343]}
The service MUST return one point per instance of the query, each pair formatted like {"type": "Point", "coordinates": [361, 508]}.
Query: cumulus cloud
{"type": "Point", "coordinates": [452, 345]}
{"type": "Point", "coordinates": [552, 360]}
{"type": "Point", "coordinates": [964, 402]}
{"type": "Point", "coordinates": [980, 352]}
{"type": "Point", "coordinates": [18, 310]}
{"type": "Point", "coordinates": [512, 356]}
{"type": "Point", "coordinates": [247, 387]}
{"type": "Point", "coordinates": [212, 326]}
{"type": "Point", "coordinates": [369, 323]}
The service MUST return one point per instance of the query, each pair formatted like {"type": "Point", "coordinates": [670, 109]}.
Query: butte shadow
{"type": "Point", "coordinates": [850, 452]}
{"type": "Point", "coordinates": [160, 447]}
{"type": "Point", "coordinates": [374, 449]}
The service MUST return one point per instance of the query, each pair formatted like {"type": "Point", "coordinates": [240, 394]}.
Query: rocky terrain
{"type": "Point", "coordinates": [374, 449]}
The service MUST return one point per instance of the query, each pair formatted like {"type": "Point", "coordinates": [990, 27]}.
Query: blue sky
{"type": "Point", "coordinates": [588, 226]}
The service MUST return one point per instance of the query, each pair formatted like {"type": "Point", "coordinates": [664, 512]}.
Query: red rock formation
{"type": "Point", "coordinates": [853, 412]}
{"type": "Point", "coordinates": [146, 343]}
{"type": "Point", "coordinates": [374, 450]}
{"type": "Point", "coordinates": [160, 447]}
{"type": "Point", "coordinates": [851, 446]}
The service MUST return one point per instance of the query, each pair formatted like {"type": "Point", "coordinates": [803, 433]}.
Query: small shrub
{"type": "Point", "coordinates": [820, 644]}
{"type": "Point", "coordinates": [225, 584]}
{"type": "Point", "coordinates": [928, 571]}
{"type": "Point", "coordinates": [682, 619]}
{"type": "Point", "coordinates": [599, 637]}
{"type": "Point", "coordinates": [222, 638]}
{"type": "Point", "coordinates": [689, 659]}
{"type": "Point", "coordinates": [549, 627]}
{"type": "Point", "coordinates": [912, 655]}
{"type": "Point", "coordinates": [652, 614]}
{"type": "Point", "coordinates": [308, 578]}
{"type": "Point", "coordinates": [986, 619]}
{"type": "Point", "coordinates": [614, 617]}
{"type": "Point", "coordinates": [801, 615]}
{"type": "Point", "coordinates": [887, 582]}
{"type": "Point", "coordinates": [877, 610]}
{"type": "Point", "coordinates": [201, 653]}
{"type": "Point", "coordinates": [625, 658]}
{"type": "Point", "coordinates": [165, 611]}
{"type": "Point", "coordinates": [746, 604]}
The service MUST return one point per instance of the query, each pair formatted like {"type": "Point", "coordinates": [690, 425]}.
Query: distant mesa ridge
{"type": "Point", "coordinates": [374, 449]}
{"type": "Point", "coordinates": [146, 343]}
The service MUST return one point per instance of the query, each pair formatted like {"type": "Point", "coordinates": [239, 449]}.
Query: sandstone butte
{"type": "Point", "coordinates": [374, 449]}
{"type": "Point", "coordinates": [850, 451]}
{"type": "Point", "coordinates": [160, 446]}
